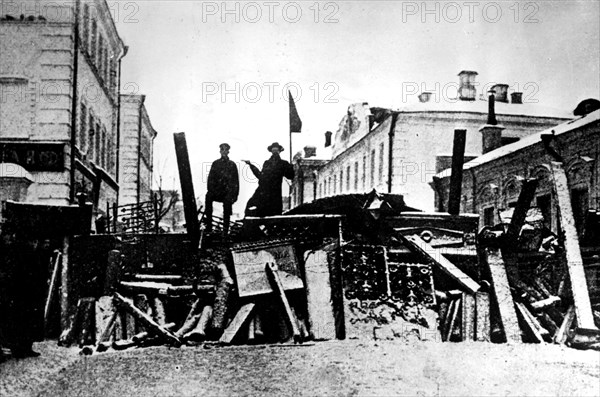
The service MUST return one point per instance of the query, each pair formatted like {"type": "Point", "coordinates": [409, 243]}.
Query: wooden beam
{"type": "Point", "coordinates": [468, 317]}
{"type": "Point", "coordinates": [531, 327]}
{"type": "Point", "coordinates": [273, 273]}
{"type": "Point", "coordinates": [508, 316]}
{"type": "Point", "coordinates": [319, 302]}
{"type": "Point", "coordinates": [458, 159]}
{"type": "Point", "coordinates": [416, 244]}
{"type": "Point", "coordinates": [53, 287]}
{"type": "Point", "coordinates": [65, 323]}
{"type": "Point", "coordinates": [579, 288]}
{"type": "Point", "coordinates": [520, 213]}
{"type": "Point", "coordinates": [482, 317]}
{"type": "Point", "coordinates": [240, 319]}
{"type": "Point", "coordinates": [187, 189]}
{"type": "Point", "coordinates": [561, 335]}
{"type": "Point", "coordinates": [150, 325]}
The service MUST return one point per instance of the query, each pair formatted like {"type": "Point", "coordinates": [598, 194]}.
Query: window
{"type": "Point", "coordinates": [91, 134]}
{"type": "Point", "coordinates": [104, 149]}
{"type": "Point", "coordinates": [488, 216]}
{"type": "Point", "coordinates": [100, 56]}
{"type": "Point", "coordinates": [83, 129]}
{"type": "Point", "coordinates": [348, 178]}
{"type": "Point", "coordinates": [580, 203]}
{"type": "Point", "coordinates": [364, 173]}
{"type": "Point", "coordinates": [85, 27]}
{"type": "Point", "coordinates": [342, 180]}
{"type": "Point", "coordinates": [356, 176]}
{"type": "Point", "coordinates": [93, 33]}
{"type": "Point", "coordinates": [97, 140]}
{"type": "Point", "coordinates": [373, 183]}
{"type": "Point", "coordinates": [334, 184]}
{"type": "Point", "coordinates": [544, 203]}
{"type": "Point", "coordinates": [381, 161]}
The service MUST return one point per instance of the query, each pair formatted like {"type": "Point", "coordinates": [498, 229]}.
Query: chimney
{"type": "Point", "coordinates": [516, 97]}
{"type": "Point", "coordinates": [424, 97]}
{"type": "Point", "coordinates": [310, 151]}
{"type": "Point", "coordinates": [466, 85]}
{"type": "Point", "coordinates": [501, 91]}
{"type": "Point", "coordinates": [491, 132]}
{"type": "Point", "coordinates": [328, 138]}
{"type": "Point", "coordinates": [492, 108]}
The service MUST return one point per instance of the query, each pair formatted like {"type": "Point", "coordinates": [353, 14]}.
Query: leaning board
{"type": "Point", "coordinates": [249, 262]}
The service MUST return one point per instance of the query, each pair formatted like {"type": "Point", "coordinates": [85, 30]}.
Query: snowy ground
{"type": "Point", "coordinates": [340, 368]}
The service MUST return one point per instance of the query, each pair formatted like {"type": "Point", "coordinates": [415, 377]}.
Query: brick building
{"type": "Point", "coordinates": [59, 80]}
{"type": "Point", "coordinates": [135, 152]}
{"type": "Point", "coordinates": [399, 151]}
{"type": "Point", "coordinates": [492, 182]}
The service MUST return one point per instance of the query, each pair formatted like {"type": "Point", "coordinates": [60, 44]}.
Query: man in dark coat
{"type": "Point", "coordinates": [266, 200]}
{"type": "Point", "coordinates": [23, 275]}
{"type": "Point", "coordinates": [223, 187]}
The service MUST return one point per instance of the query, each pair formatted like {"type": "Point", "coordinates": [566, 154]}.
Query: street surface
{"type": "Point", "coordinates": [339, 368]}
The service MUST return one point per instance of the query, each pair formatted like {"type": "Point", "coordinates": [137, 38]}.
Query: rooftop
{"type": "Point", "coordinates": [527, 141]}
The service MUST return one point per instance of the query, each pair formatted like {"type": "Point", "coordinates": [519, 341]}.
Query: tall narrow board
{"type": "Point", "coordinates": [504, 300]}
{"type": "Point", "coordinates": [579, 288]}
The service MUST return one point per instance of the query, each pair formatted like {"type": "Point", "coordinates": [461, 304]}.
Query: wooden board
{"type": "Point", "coordinates": [250, 268]}
{"type": "Point", "coordinates": [104, 312]}
{"type": "Point", "coordinates": [482, 317]}
{"type": "Point", "coordinates": [468, 317]}
{"type": "Point", "coordinates": [436, 256]}
{"type": "Point", "coordinates": [579, 288]}
{"type": "Point", "coordinates": [561, 335]}
{"type": "Point", "coordinates": [531, 328]}
{"type": "Point", "coordinates": [321, 317]}
{"type": "Point", "coordinates": [504, 300]}
{"type": "Point", "coordinates": [240, 319]}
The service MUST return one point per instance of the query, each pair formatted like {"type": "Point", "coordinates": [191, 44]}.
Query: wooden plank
{"type": "Point", "coordinates": [240, 319]}
{"type": "Point", "coordinates": [468, 317]}
{"type": "Point", "coordinates": [187, 189]}
{"type": "Point", "coordinates": [150, 325]}
{"type": "Point", "coordinates": [482, 317]}
{"type": "Point", "coordinates": [579, 288]}
{"type": "Point", "coordinates": [191, 319]}
{"type": "Point", "coordinates": [508, 316]}
{"type": "Point", "coordinates": [435, 255]}
{"type": "Point", "coordinates": [454, 334]}
{"type": "Point", "coordinates": [105, 311]}
{"type": "Point", "coordinates": [158, 310]}
{"type": "Point", "coordinates": [520, 213]}
{"type": "Point", "coordinates": [201, 328]}
{"type": "Point", "coordinates": [531, 328]}
{"type": "Point", "coordinates": [65, 323]}
{"type": "Point", "coordinates": [321, 317]}
{"type": "Point", "coordinates": [53, 286]}
{"type": "Point", "coordinates": [561, 335]}
{"type": "Point", "coordinates": [448, 319]}
{"type": "Point", "coordinates": [458, 159]}
{"type": "Point", "coordinates": [273, 273]}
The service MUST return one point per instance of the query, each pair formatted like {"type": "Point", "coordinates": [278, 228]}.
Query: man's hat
{"type": "Point", "coordinates": [224, 146]}
{"type": "Point", "coordinates": [275, 144]}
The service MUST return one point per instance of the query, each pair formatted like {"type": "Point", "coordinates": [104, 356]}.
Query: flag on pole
{"type": "Point", "coordinates": [295, 122]}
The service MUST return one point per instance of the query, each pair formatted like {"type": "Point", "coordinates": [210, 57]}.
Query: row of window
{"type": "Point", "coordinates": [95, 45]}
{"type": "Point", "coordinates": [94, 141]}
{"type": "Point", "coordinates": [329, 186]}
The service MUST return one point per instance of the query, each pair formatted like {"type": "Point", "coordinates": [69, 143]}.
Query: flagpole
{"type": "Point", "coordinates": [291, 151]}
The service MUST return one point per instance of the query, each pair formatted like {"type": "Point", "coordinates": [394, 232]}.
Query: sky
{"type": "Point", "coordinates": [220, 71]}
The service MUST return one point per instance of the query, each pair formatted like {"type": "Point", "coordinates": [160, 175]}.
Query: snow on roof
{"type": "Point", "coordinates": [527, 141]}
{"type": "Point", "coordinates": [481, 106]}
